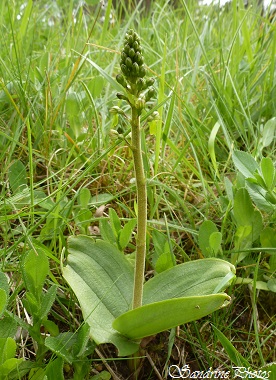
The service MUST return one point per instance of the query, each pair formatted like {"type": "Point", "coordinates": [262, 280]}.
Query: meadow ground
{"type": "Point", "coordinates": [63, 168]}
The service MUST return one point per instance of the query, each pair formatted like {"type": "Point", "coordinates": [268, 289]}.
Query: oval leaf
{"type": "Point", "coordinates": [102, 279]}
{"type": "Point", "coordinates": [269, 132]}
{"type": "Point", "coordinates": [245, 163]}
{"type": "Point", "coordinates": [160, 316]}
{"type": "Point", "coordinates": [35, 270]}
{"type": "Point", "coordinates": [268, 172]}
{"type": "Point", "coordinates": [193, 278]}
{"type": "Point", "coordinates": [243, 208]}
{"type": "Point", "coordinates": [205, 231]}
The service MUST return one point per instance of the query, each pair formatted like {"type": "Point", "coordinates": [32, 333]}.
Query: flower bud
{"type": "Point", "coordinates": [150, 82]}
{"type": "Point", "coordinates": [154, 116]}
{"type": "Point", "coordinates": [142, 71]}
{"type": "Point", "coordinates": [121, 96]}
{"type": "Point", "coordinates": [135, 45]}
{"type": "Point", "coordinates": [140, 84]}
{"type": "Point", "coordinates": [124, 70]}
{"type": "Point", "coordinates": [117, 111]}
{"type": "Point", "coordinates": [135, 69]}
{"type": "Point", "coordinates": [150, 93]}
{"type": "Point", "coordinates": [114, 110]}
{"type": "Point", "coordinates": [138, 58]}
{"type": "Point", "coordinates": [123, 56]}
{"type": "Point", "coordinates": [128, 63]}
{"type": "Point", "coordinates": [139, 103]}
{"type": "Point", "coordinates": [130, 37]}
{"type": "Point", "coordinates": [113, 134]}
{"type": "Point", "coordinates": [126, 49]}
{"type": "Point", "coordinates": [121, 80]}
{"type": "Point", "coordinates": [131, 53]}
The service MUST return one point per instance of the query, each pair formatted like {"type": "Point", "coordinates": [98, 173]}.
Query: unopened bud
{"type": "Point", "coordinates": [136, 46]}
{"type": "Point", "coordinates": [126, 49]}
{"type": "Point", "coordinates": [113, 133]}
{"type": "Point", "coordinates": [140, 84]}
{"type": "Point", "coordinates": [154, 116]}
{"type": "Point", "coordinates": [128, 63]}
{"type": "Point", "coordinates": [131, 53]}
{"type": "Point", "coordinates": [150, 81]}
{"type": "Point", "coordinates": [117, 110]}
{"type": "Point", "coordinates": [139, 103]}
{"type": "Point", "coordinates": [121, 80]}
{"type": "Point", "coordinates": [138, 58]}
{"type": "Point", "coordinates": [121, 96]}
{"type": "Point", "coordinates": [124, 69]}
{"type": "Point", "coordinates": [150, 93]}
{"type": "Point", "coordinates": [142, 71]}
{"type": "Point", "coordinates": [135, 69]}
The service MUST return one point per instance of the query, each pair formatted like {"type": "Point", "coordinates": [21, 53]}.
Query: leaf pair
{"type": "Point", "coordinates": [102, 279]}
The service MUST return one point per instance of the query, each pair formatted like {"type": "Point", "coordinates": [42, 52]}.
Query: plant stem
{"type": "Point", "coordinates": [141, 209]}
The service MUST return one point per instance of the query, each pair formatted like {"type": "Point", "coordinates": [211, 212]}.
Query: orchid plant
{"type": "Point", "coordinates": [116, 302]}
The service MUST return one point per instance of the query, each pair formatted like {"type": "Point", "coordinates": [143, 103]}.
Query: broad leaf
{"type": "Point", "coordinates": [268, 238]}
{"type": "Point", "coordinates": [178, 295]}
{"type": "Point", "coordinates": [193, 278]}
{"type": "Point", "coordinates": [126, 232]}
{"type": "Point", "coordinates": [269, 132]}
{"type": "Point", "coordinates": [159, 316]}
{"type": "Point", "coordinates": [35, 270]}
{"type": "Point", "coordinates": [82, 340]}
{"type": "Point", "coordinates": [215, 243]}
{"type": "Point", "coordinates": [271, 284]}
{"type": "Point", "coordinates": [247, 218]}
{"type": "Point", "coordinates": [61, 345]}
{"type": "Point", "coordinates": [245, 163]}
{"type": "Point", "coordinates": [47, 301]}
{"type": "Point", "coordinates": [162, 257]}
{"type": "Point", "coordinates": [164, 262]}
{"type": "Point", "coordinates": [205, 231]}
{"type": "Point", "coordinates": [269, 173]}
{"type": "Point", "coordinates": [84, 197]}
{"type": "Point", "coordinates": [102, 279]}
{"type": "Point", "coordinates": [114, 222]}
{"type": "Point", "coordinates": [259, 197]}
{"type": "Point", "coordinates": [54, 369]}
{"type": "Point", "coordinates": [8, 366]}
{"type": "Point", "coordinates": [8, 326]}
{"type": "Point", "coordinates": [243, 208]}
{"type": "Point", "coordinates": [7, 349]}
{"type": "Point", "coordinates": [107, 232]}
{"type": "Point", "coordinates": [50, 326]}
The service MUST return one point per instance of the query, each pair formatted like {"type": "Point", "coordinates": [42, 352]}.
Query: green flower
{"type": "Point", "coordinates": [132, 60]}
{"type": "Point", "coordinates": [133, 70]}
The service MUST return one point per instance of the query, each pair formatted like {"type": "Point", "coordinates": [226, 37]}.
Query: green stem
{"type": "Point", "coordinates": [141, 209]}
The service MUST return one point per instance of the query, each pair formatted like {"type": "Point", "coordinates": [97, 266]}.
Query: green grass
{"type": "Point", "coordinates": [215, 73]}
